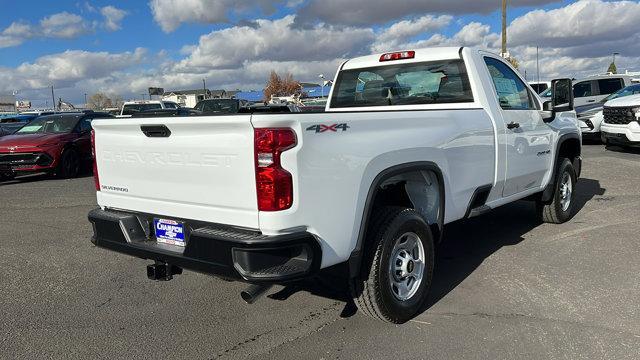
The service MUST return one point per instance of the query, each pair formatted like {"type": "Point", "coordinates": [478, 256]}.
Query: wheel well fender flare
{"type": "Point", "coordinates": [355, 260]}
{"type": "Point", "coordinates": [547, 194]}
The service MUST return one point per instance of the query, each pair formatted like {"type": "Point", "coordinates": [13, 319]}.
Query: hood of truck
{"type": "Point", "coordinates": [204, 170]}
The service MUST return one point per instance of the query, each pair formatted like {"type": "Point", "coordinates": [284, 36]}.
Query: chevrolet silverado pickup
{"type": "Point", "coordinates": [409, 141]}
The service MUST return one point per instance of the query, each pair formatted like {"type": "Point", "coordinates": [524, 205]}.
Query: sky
{"type": "Point", "coordinates": [124, 47]}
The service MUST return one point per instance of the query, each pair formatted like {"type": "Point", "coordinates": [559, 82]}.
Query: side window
{"type": "Point", "coordinates": [609, 86]}
{"type": "Point", "coordinates": [582, 89]}
{"type": "Point", "coordinates": [511, 91]}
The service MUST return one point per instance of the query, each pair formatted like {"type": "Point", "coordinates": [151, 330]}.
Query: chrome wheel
{"type": "Point", "coordinates": [407, 266]}
{"type": "Point", "coordinates": [566, 188]}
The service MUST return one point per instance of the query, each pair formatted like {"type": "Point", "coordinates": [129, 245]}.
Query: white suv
{"type": "Point", "coordinates": [621, 123]}
{"type": "Point", "coordinates": [592, 89]}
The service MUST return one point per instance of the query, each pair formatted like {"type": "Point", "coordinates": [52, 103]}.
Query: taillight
{"type": "Point", "coordinates": [96, 178]}
{"type": "Point", "coordinates": [274, 185]}
{"type": "Point", "coordinates": [398, 56]}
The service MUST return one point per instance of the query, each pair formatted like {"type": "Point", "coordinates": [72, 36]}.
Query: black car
{"type": "Point", "coordinates": [166, 113]}
{"type": "Point", "coordinates": [219, 106]}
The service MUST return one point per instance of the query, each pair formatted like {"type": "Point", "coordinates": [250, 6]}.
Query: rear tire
{"type": "Point", "coordinates": [561, 207]}
{"type": "Point", "coordinates": [69, 166]}
{"type": "Point", "coordinates": [397, 268]}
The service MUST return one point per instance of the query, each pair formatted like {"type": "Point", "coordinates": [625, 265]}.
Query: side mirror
{"type": "Point", "coordinates": [562, 95]}
{"type": "Point", "coordinates": [561, 99]}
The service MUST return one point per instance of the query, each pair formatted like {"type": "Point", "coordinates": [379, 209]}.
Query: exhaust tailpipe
{"type": "Point", "coordinates": [161, 271]}
{"type": "Point", "coordinates": [254, 292]}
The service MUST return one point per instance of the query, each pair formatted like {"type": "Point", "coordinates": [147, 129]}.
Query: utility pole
{"type": "Point", "coordinates": [537, 65]}
{"type": "Point", "coordinates": [53, 98]}
{"type": "Point", "coordinates": [85, 100]}
{"type": "Point", "coordinates": [504, 29]}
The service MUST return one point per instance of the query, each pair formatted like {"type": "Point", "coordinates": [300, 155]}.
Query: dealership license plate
{"type": "Point", "coordinates": [169, 232]}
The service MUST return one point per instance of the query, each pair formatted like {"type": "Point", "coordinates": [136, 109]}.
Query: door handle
{"type": "Point", "coordinates": [513, 125]}
{"type": "Point", "coordinates": [591, 101]}
{"type": "Point", "coordinates": [155, 130]}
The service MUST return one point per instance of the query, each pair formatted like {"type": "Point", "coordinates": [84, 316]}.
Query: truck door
{"type": "Point", "coordinates": [527, 137]}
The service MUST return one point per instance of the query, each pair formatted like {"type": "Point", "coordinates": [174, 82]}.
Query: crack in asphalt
{"type": "Point", "coordinates": [310, 316]}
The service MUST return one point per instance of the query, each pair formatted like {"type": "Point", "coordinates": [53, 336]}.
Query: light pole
{"type": "Point", "coordinates": [321, 76]}
{"type": "Point", "coordinates": [85, 100]}
{"type": "Point", "coordinates": [53, 98]}
{"type": "Point", "coordinates": [614, 57]}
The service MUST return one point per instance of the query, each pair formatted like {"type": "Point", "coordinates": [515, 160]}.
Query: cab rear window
{"type": "Point", "coordinates": [404, 84]}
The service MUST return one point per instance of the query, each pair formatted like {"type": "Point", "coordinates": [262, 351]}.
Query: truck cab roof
{"type": "Point", "coordinates": [420, 55]}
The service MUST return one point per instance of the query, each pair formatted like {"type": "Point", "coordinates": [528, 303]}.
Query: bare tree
{"type": "Point", "coordinates": [281, 86]}
{"type": "Point", "coordinates": [100, 101]}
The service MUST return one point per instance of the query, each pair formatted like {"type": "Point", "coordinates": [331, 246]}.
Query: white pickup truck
{"type": "Point", "coordinates": [409, 142]}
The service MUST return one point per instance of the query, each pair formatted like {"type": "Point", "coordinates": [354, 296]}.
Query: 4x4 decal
{"type": "Point", "coordinates": [331, 128]}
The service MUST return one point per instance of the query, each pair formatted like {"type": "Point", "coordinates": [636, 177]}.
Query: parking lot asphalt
{"type": "Point", "coordinates": [506, 287]}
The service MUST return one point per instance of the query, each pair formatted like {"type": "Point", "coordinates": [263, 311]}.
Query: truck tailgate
{"type": "Point", "coordinates": [203, 170]}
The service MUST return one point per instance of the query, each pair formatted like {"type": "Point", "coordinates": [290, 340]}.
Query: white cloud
{"type": "Point", "coordinates": [274, 40]}
{"type": "Point", "coordinates": [16, 34]}
{"type": "Point", "coordinates": [404, 30]}
{"type": "Point", "coordinates": [64, 25]}
{"type": "Point", "coordinates": [582, 23]}
{"type": "Point", "coordinates": [473, 34]}
{"type": "Point", "coordinates": [67, 68]}
{"type": "Point", "coordinates": [170, 14]}
{"type": "Point", "coordinates": [112, 17]}
{"type": "Point", "coordinates": [368, 12]}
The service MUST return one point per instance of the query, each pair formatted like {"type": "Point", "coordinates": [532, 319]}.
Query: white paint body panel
{"type": "Point", "coordinates": [332, 171]}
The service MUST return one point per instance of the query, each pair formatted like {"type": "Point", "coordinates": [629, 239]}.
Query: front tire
{"type": "Point", "coordinates": [398, 266]}
{"type": "Point", "coordinates": [7, 176]}
{"type": "Point", "coordinates": [561, 207]}
{"type": "Point", "coordinates": [69, 166]}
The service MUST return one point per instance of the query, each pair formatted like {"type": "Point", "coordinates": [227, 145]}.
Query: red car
{"type": "Point", "coordinates": [56, 144]}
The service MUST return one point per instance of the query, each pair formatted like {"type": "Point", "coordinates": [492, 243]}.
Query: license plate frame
{"type": "Point", "coordinates": [170, 232]}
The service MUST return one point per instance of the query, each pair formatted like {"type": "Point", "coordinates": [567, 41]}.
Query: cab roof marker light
{"type": "Point", "coordinates": [400, 55]}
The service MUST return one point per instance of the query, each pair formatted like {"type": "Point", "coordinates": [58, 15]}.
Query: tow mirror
{"type": "Point", "coordinates": [562, 95]}
{"type": "Point", "coordinates": [561, 99]}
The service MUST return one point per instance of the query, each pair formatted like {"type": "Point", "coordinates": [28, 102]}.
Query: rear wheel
{"type": "Point", "coordinates": [69, 166]}
{"type": "Point", "coordinates": [561, 207]}
{"type": "Point", "coordinates": [398, 266]}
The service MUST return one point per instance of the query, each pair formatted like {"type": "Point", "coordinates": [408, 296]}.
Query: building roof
{"type": "Point", "coordinates": [186, 92]}
{"type": "Point", "coordinates": [250, 95]}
